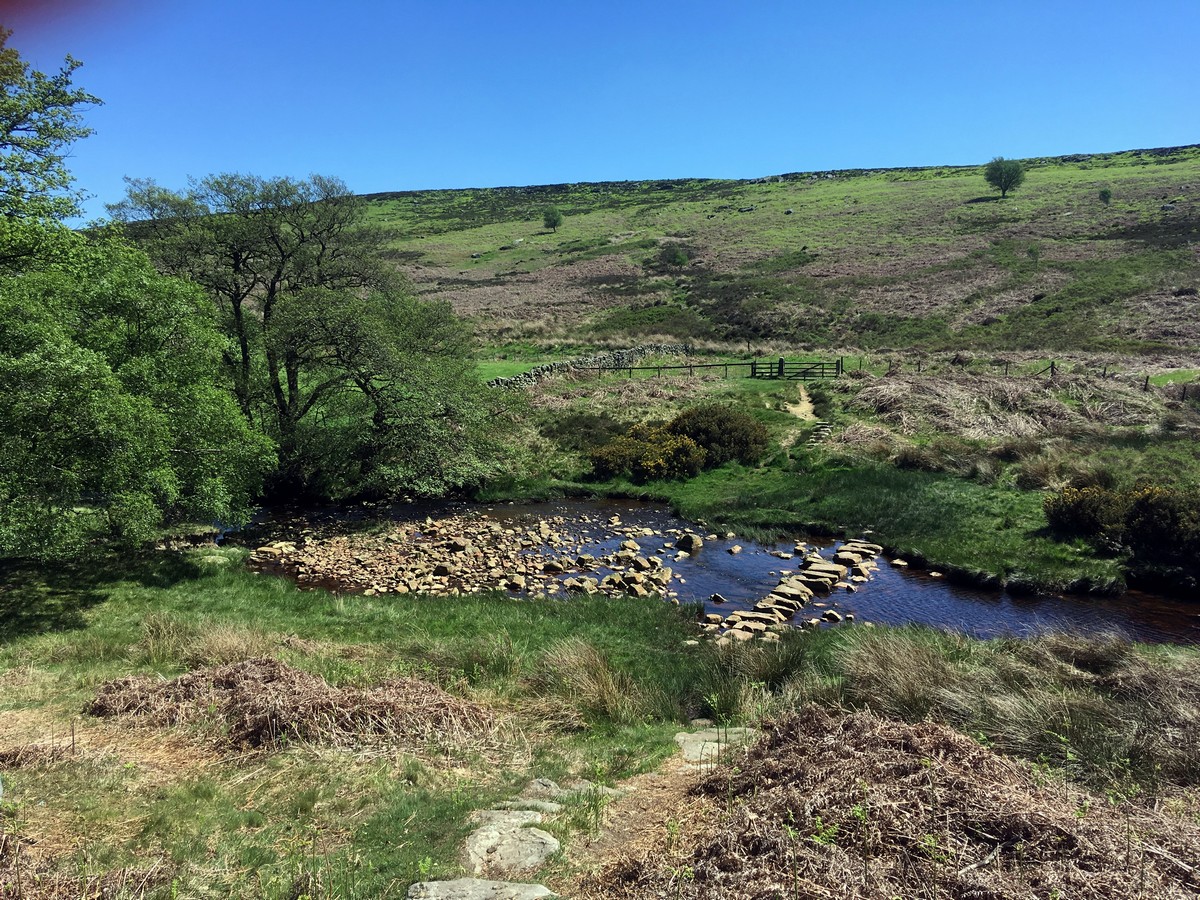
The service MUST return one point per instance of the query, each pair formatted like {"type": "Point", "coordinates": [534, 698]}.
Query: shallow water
{"type": "Point", "coordinates": [895, 595]}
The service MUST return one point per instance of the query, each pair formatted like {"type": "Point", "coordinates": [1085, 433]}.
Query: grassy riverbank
{"type": "Point", "coordinates": [950, 467]}
{"type": "Point", "coordinates": [587, 687]}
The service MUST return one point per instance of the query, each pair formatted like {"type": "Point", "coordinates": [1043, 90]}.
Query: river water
{"type": "Point", "coordinates": [896, 595]}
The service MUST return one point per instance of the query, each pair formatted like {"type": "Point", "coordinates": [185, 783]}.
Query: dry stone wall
{"type": "Point", "coordinates": [615, 359]}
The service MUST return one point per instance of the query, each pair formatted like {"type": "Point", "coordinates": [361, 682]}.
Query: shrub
{"type": "Point", "coordinates": [668, 455]}
{"type": "Point", "coordinates": [673, 256]}
{"type": "Point", "coordinates": [648, 454]}
{"type": "Point", "coordinates": [1105, 196]}
{"type": "Point", "coordinates": [725, 434]}
{"type": "Point", "coordinates": [1088, 511]}
{"type": "Point", "coordinates": [1163, 525]}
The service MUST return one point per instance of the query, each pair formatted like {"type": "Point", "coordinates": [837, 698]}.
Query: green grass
{"type": "Point", "coordinates": [351, 824]}
{"type": "Point", "coordinates": [320, 822]}
{"type": "Point", "coordinates": [1178, 376]}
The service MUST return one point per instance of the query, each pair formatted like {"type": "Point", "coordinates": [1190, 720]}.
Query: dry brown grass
{"type": "Point", "coordinates": [830, 805]}
{"type": "Point", "coordinates": [23, 877]}
{"type": "Point", "coordinates": [577, 672]}
{"type": "Point", "coordinates": [165, 638]}
{"type": "Point", "coordinates": [264, 703]}
{"type": "Point", "coordinates": [982, 407]}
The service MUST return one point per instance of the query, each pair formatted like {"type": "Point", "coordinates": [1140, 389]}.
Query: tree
{"type": "Point", "coordinates": [40, 115]}
{"type": "Point", "coordinates": [322, 346]}
{"type": "Point", "coordinates": [552, 217]}
{"type": "Point", "coordinates": [114, 417]}
{"type": "Point", "coordinates": [254, 244]}
{"type": "Point", "coordinates": [1004, 174]}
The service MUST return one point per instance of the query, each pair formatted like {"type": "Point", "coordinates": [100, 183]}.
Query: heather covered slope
{"type": "Point", "coordinates": [927, 258]}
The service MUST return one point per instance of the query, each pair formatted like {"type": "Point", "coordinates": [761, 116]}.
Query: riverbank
{"type": "Point", "coordinates": [614, 547]}
{"type": "Point", "coordinates": [951, 466]}
{"type": "Point", "coordinates": [589, 687]}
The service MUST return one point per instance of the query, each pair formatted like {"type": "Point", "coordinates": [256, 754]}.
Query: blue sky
{"type": "Point", "coordinates": [402, 95]}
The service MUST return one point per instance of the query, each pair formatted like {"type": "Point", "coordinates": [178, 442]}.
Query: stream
{"type": "Point", "coordinates": [895, 594]}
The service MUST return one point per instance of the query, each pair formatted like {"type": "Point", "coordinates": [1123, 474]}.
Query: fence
{"type": "Point", "coordinates": [793, 369]}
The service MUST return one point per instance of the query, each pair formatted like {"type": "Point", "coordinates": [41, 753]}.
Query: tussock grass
{"type": "Point", "coordinates": [1097, 708]}
{"type": "Point", "coordinates": [577, 672]}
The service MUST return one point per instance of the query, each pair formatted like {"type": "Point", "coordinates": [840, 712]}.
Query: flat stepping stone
{"type": "Point", "coordinates": [500, 846]}
{"type": "Point", "coordinates": [707, 744]}
{"type": "Point", "coordinates": [477, 889]}
{"type": "Point", "coordinates": [543, 806]}
{"type": "Point", "coordinates": [507, 818]}
{"type": "Point", "coordinates": [543, 789]}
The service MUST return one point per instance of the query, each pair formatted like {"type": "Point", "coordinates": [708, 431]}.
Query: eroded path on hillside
{"type": "Point", "coordinates": [802, 409]}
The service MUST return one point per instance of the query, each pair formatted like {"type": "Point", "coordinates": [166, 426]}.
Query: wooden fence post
{"type": "Point", "coordinates": [754, 368]}
{"type": "Point", "coordinates": [1146, 386]}
{"type": "Point", "coordinates": [1053, 369]}
{"type": "Point", "coordinates": [781, 367]}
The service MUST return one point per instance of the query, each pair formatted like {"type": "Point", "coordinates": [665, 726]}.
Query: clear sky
{"type": "Point", "coordinates": [454, 93]}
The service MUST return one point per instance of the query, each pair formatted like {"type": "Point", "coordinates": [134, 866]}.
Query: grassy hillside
{"type": "Point", "coordinates": [899, 258]}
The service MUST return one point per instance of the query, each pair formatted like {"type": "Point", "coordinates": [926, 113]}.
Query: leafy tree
{"type": "Point", "coordinates": [1004, 174]}
{"type": "Point", "coordinates": [1105, 196]}
{"type": "Point", "coordinates": [39, 116]}
{"type": "Point", "coordinates": [114, 419]}
{"type": "Point", "coordinates": [552, 218]}
{"type": "Point", "coordinates": [325, 349]}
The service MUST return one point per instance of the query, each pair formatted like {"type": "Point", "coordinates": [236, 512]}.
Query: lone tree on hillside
{"type": "Point", "coordinates": [552, 218]}
{"type": "Point", "coordinates": [1004, 174]}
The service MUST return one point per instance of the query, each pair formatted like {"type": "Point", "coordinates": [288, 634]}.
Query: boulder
{"type": "Point", "coordinates": [689, 543]}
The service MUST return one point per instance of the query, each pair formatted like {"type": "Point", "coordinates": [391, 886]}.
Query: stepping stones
{"type": "Point", "coordinates": [505, 844]}
{"type": "Point", "coordinates": [704, 748]}
{"type": "Point", "coordinates": [477, 889]}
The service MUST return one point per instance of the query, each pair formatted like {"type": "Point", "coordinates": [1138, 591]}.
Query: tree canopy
{"type": "Point", "coordinates": [114, 419]}
{"type": "Point", "coordinates": [114, 416]}
{"type": "Point", "coordinates": [40, 115]}
{"type": "Point", "coordinates": [1004, 174]}
{"type": "Point", "coordinates": [552, 217]}
{"type": "Point", "coordinates": [362, 386]}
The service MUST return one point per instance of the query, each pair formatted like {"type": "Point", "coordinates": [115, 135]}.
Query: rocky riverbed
{"type": "Point", "coordinates": [575, 546]}
{"type": "Point", "coordinates": [549, 555]}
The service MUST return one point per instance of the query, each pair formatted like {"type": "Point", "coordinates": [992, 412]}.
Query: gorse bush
{"type": "Point", "coordinates": [699, 438]}
{"type": "Point", "coordinates": [725, 434]}
{"type": "Point", "coordinates": [1163, 525]}
{"type": "Point", "coordinates": [1158, 525]}
{"type": "Point", "coordinates": [1092, 511]}
{"type": "Point", "coordinates": [648, 454]}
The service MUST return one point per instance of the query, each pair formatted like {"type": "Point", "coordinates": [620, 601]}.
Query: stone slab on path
{"type": "Point", "coordinates": [705, 747]}
{"type": "Point", "coordinates": [500, 846]}
{"type": "Point", "coordinates": [477, 889]}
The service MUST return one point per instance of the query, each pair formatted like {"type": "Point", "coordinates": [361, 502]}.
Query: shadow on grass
{"type": "Point", "coordinates": [983, 200]}
{"type": "Point", "coordinates": [40, 598]}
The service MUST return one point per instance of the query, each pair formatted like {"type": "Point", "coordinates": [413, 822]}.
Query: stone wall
{"type": "Point", "coordinates": [615, 359]}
